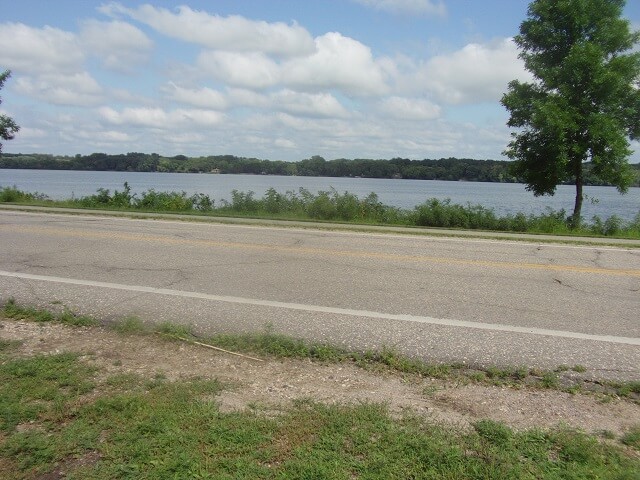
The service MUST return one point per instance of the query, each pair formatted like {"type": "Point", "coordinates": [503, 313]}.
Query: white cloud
{"type": "Point", "coordinates": [161, 119]}
{"type": "Point", "coordinates": [27, 133]}
{"type": "Point", "coordinates": [79, 89]}
{"type": "Point", "coordinates": [29, 50]}
{"type": "Point", "coordinates": [247, 98]}
{"type": "Point", "coordinates": [404, 108]}
{"type": "Point", "coordinates": [286, 100]}
{"type": "Point", "coordinates": [121, 46]}
{"type": "Point", "coordinates": [339, 63]}
{"type": "Point", "coordinates": [102, 137]}
{"type": "Point", "coordinates": [232, 33]}
{"type": "Point", "coordinates": [121, 95]}
{"type": "Point", "coordinates": [201, 97]}
{"type": "Point", "coordinates": [476, 73]}
{"type": "Point", "coordinates": [306, 104]}
{"type": "Point", "coordinates": [284, 143]}
{"type": "Point", "coordinates": [186, 139]}
{"type": "Point", "coordinates": [410, 7]}
{"type": "Point", "coordinates": [251, 70]}
{"type": "Point", "coordinates": [202, 118]}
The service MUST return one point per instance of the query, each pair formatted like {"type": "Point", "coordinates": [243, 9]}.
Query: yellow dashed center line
{"type": "Point", "coordinates": [166, 240]}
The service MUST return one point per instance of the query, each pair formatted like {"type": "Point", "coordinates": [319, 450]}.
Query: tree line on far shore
{"type": "Point", "coordinates": [452, 169]}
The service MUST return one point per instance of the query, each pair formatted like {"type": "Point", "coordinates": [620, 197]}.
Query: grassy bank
{"type": "Point", "coordinates": [62, 418]}
{"type": "Point", "coordinates": [334, 206]}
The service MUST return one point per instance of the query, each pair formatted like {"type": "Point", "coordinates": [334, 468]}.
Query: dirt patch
{"type": "Point", "coordinates": [275, 383]}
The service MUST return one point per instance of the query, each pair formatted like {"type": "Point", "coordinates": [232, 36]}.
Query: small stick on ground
{"type": "Point", "coordinates": [210, 346]}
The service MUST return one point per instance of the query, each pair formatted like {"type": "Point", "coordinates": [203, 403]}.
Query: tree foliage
{"type": "Point", "coordinates": [583, 104]}
{"type": "Point", "coordinates": [8, 128]}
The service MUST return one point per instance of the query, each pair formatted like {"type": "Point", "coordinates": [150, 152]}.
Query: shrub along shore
{"type": "Point", "coordinates": [334, 206]}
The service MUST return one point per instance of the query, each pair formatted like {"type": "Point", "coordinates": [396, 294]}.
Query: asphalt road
{"type": "Point", "coordinates": [485, 302]}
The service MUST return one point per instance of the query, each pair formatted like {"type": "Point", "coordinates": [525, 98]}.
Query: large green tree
{"type": "Point", "coordinates": [584, 101]}
{"type": "Point", "coordinates": [8, 128]}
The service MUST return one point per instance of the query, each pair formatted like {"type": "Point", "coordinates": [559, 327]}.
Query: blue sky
{"type": "Point", "coordinates": [278, 79]}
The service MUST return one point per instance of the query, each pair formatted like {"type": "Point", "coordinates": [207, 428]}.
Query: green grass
{"type": "Point", "coordinates": [57, 414]}
{"type": "Point", "coordinates": [38, 388]}
{"type": "Point", "coordinates": [18, 312]}
{"type": "Point", "coordinates": [130, 326]}
{"type": "Point", "coordinates": [6, 345]}
{"type": "Point", "coordinates": [632, 438]}
{"type": "Point", "coordinates": [333, 206]}
{"type": "Point", "coordinates": [627, 389]}
{"type": "Point", "coordinates": [132, 428]}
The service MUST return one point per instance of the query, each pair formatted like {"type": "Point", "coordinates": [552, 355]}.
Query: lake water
{"type": "Point", "coordinates": [504, 198]}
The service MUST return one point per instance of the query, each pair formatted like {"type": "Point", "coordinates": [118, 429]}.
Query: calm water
{"type": "Point", "coordinates": [502, 197]}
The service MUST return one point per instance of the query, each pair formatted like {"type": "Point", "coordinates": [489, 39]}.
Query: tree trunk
{"type": "Point", "coordinates": [577, 209]}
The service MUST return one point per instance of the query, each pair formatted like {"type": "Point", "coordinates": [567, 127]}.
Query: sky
{"type": "Point", "coordinates": [271, 79]}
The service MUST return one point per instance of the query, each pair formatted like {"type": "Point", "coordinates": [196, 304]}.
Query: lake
{"type": "Point", "coordinates": [503, 198]}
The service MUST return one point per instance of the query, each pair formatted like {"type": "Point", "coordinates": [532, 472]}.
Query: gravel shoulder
{"type": "Point", "coordinates": [274, 383]}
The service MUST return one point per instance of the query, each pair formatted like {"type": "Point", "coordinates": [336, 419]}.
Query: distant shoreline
{"type": "Point", "coordinates": [447, 169]}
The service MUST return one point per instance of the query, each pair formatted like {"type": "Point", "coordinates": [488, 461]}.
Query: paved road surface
{"type": "Point", "coordinates": [447, 299]}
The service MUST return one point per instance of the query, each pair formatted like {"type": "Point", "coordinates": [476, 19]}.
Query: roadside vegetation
{"type": "Point", "coordinates": [62, 418]}
{"type": "Point", "coordinates": [334, 206]}
{"type": "Point", "coordinates": [268, 343]}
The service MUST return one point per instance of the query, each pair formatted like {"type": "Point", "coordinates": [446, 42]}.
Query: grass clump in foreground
{"type": "Point", "coordinates": [334, 206]}
{"type": "Point", "coordinates": [132, 428]}
{"type": "Point", "coordinates": [13, 310]}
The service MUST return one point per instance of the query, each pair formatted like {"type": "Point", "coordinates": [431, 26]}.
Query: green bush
{"type": "Point", "coordinates": [165, 201]}
{"type": "Point", "coordinates": [243, 202]}
{"type": "Point", "coordinates": [104, 198]}
{"type": "Point", "coordinates": [322, 207]}
{"type": "Point", "coordinates": [13, 195]}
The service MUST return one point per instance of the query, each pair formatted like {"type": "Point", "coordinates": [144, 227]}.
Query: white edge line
{"type": "Point", "coordinates": [331, 310]}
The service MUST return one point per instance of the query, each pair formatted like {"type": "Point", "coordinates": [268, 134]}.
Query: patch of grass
{"type": "Point", "coordinates": [33, 388]}
{"type": "Point", "coordinates": [171, 329]}
{"type": "Point", "coordinates": [477, 376]}
{"type": "Point", "coordinates": [124, 381]}
{"type": "Point", "coordinates": [12, 310]}
{"type": "Point", "coordinates": [270, 343]}
{"type": "Point", "coordinates": [507, 375]}
{"type": "Point", "coordinates": [170, 432]}
{"type": "Point", "coordinates": [9, 344]}
{"type": "Point", "coordinates": [625, 389]}
{"type": "Point", "coordinates": [430, 390]}
{"type": "Point", "coordinates": [494, 432]}
{"type": "Point", "coordinates": [579, 368]}
{"type": "Point", "coordinates": [391, 358]}
{"type": "Point", "coordinates": [129, 326]}
{"type": "Point", "coordinates": [574, 389]}
{"type": "Point", "coordinates": [549, 380]}
{"type": "Point", "coordinates": [632, 438]}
